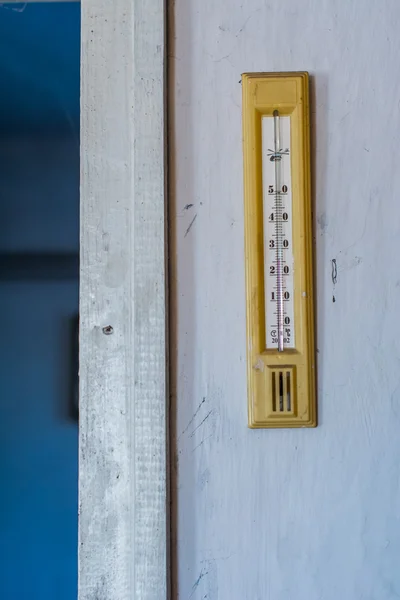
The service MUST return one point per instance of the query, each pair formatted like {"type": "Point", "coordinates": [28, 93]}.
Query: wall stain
{"type": "Point", "coordinates": [200, 424]}
{"type": "Point", "coordinates": [194, 416]}
{"type": "Point", "coordinates": [334, 276]}
{"type": "Point", "coordinates": [203, 480]}
{"type": "Point", "coordinates": [190, 225]}
{"type": "Point", "coordinates": [322, 222]}
{"type": "Point", "coordinates": [334, 271]}
{"type": "Point", "coordinates": [196, 583]}
{"type": "Point", "coordinates": [201, 443]}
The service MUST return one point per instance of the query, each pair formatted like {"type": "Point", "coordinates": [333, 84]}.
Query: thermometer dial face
{"type": "Point", "coordinates": [278, 233]}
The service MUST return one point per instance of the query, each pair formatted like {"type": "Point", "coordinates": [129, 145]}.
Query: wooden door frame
{"type": "Point", "coordinates": [123, 357]}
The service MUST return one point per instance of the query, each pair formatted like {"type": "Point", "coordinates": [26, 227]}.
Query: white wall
{"type": "Point", "coordinates": [300, 514]}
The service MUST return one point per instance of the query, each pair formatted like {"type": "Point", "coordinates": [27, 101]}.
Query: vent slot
{"type": "Point", "coordinates": [273, 392]}
{"type": "Point", "coordinates": [288, 398]}
{"type": "Point", "coordinates": [281, 386]}
{"type": "Point", "coordinates": [281, 392]}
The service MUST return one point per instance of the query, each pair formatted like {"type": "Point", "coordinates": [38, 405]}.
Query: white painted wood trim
{"type": "Point", "coordinates": [123, 420]}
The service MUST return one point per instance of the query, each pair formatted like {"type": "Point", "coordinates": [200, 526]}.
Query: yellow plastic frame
{"type": "Point", "coordinates": [262, 94]}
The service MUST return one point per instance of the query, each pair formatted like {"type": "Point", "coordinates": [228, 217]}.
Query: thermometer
{"type": "Point", "coordinates": [278, 241]}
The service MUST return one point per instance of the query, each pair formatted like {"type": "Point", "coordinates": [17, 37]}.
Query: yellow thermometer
{"type": "Point", "coordinates": [278, 241]}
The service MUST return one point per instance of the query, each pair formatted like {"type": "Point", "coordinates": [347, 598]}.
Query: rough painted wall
{"type": "Point", "coordinates": [301, 514]}
{"type": "Point", "coordinates": [39, 211]}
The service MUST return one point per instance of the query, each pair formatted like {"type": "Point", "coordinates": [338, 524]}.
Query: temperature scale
{"type": "Point", "coordinates": [278, 240]}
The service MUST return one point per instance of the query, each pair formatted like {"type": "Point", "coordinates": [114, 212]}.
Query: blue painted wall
{"type": "Point", "coordinates": [38, 446]}
{"type": "Point", "coordinates": [39, 67]}
{"type": "Point", "coordinates": [39, 211]}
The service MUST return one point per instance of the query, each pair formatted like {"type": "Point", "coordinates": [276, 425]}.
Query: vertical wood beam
{"type": "Point", "coordinates": [123, 420]}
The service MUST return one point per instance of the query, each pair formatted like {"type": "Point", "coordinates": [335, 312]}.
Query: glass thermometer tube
{"type": "Point", "coordinates": [278, 230]}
